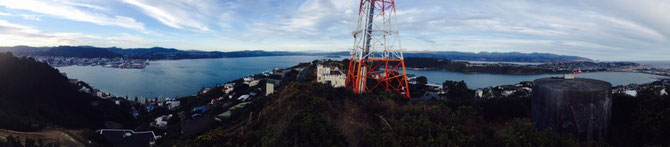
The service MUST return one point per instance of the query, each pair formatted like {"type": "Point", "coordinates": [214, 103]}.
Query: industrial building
{"type": "Point", "coordinates": [578, 106]}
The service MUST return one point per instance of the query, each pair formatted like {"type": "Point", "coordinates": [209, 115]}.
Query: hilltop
{"type": "Point", "coordinates": [35, 96]}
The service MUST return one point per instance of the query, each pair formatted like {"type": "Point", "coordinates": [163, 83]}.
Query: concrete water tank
{"type": "Point", "coordinates": [578, 106]}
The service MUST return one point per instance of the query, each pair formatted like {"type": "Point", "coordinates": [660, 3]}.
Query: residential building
{"type": "Point", "coordinates": [228, 88]}
{"type": "Point", "coordinates": [172, 103]}
{"type": "Point", "coordinates": [330, 75]}
{"type": "Point", "coordinates": [269, 88]}
{"type": "Point", "coordinates": [254, 83]}
{"type": "Point", "coordinates": [281, 72]}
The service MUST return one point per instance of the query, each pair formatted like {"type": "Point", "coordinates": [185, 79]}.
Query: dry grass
{"type": "Point", "coordinates": [65, 137]}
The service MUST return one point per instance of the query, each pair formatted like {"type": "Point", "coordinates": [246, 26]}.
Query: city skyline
{"type": "Point", "coordinates": [601, 30]}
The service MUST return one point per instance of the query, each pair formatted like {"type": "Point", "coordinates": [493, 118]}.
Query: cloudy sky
{"type": "Point", "coordinates": [597, 29]}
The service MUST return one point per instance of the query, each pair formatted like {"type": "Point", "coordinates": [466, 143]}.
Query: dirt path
{"type": "Point", "coordinates": [51, 135]}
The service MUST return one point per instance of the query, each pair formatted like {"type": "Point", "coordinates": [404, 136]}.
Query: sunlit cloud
{"type": "Point", "coordinates": [598, 29]}
{"type": "Point", "coordinates": [15, 34]}
{"type": "Point", "coordinates": [72, 11]}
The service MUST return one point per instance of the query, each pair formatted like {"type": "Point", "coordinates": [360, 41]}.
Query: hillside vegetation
{"type": "Point", "coordinates": [312, 114]}
{"type": "Point", "coordinates": [34, 95]}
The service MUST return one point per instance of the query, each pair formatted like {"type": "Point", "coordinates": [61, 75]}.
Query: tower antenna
{"type": "Point", "coordinates": [377, 58]}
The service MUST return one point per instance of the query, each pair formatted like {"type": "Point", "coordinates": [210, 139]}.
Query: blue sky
{"type": "Point", "coordinates": [597, 29]}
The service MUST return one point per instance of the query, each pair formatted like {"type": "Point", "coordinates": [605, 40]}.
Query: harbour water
{"type": "Point", "coordinates": [177, 78]}
{"type": "Point", "coordinates": [483, 80]}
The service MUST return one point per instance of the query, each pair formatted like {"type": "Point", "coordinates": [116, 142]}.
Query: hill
{"type": "Point", "coordinates": [498, 57]}
{"type": "Point", "coordinates": [487, 56]}
{"type": "Point", "coordinates": [313, 114]}
{"type": "Point", "coordinates": [306, 113]}
{"type": "Point", "coordinates": [159, 53]}
{"type": "Point", "coordinates": [64, 51]}
{"type": "Point", "coordinates": [49, 137]}
{"type": "Point", "coordinates": [155, 53]}
{"type": "Point", "coordinates": [35, 96]}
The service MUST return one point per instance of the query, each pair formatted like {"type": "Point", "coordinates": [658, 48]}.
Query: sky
{"type": "Point", "coordinates": [597, 29]}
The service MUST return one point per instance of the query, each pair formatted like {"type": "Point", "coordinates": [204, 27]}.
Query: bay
{"type": "Point", "coordinates": [177, 78]}
{"type": "Point", "coordinates": [483, 80]}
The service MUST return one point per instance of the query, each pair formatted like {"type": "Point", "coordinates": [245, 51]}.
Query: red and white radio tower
{"type": "Point", "coordinates": [377, 58]}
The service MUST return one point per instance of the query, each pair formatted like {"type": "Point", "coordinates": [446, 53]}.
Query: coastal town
{"type": "Point", "coordinates": [57, 61]}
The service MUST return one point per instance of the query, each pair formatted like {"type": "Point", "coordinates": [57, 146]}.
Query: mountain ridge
{"type": "Point", "coordinates": [161, 53]}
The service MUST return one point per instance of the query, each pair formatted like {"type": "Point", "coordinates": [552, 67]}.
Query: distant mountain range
{"type": "Point", "coordinates": [159, 53]}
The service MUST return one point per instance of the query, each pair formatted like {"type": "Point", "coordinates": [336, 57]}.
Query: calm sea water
{"type": "Point", "coordinates": [658, 64]}
{"type": "Point", "coordinates": [480, 80]}
{"type": "Point", "coordinates": [177, 78]}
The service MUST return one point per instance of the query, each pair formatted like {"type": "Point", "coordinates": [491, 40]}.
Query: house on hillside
{"type": "Point", "coordinates": [172, 103]}
{"type": "Point", "coordinates": [228, 88]}
{"type": "Point", "coordinates": [269, 88]}
{"type": "Point", "coordinates": [330, 75]}
{"type": "Point", "coordinates": [281, 72]}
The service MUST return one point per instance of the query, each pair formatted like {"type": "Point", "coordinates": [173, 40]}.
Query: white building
{"type": "Point", "coordinates": [331, 75]}
{"type": "Point", "coordinates": [248, 79]}
{"type": "Point", "coordinates": [664, 92]}
{"type": "Point", "coordinates": [254, 83]}
{"type": "Point", "coordinates": [172, 103]}
{"type": "Point", "coordinates": [507, 93]}
{"type": "Point", "coordinates": [479, 93]}
{"type": "Point", "coordinates": [269, 88]}
{"type": "Point", "coordinates": [631, 92]}
{"type": "Point", "coordinates": [162, 121]}
{"type": "Point", "coordinates": [227, 88]}
{"type": "Point", "coordinates": [243, 97]}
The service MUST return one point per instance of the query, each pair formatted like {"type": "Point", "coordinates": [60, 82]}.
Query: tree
{"type": "Point", "coordinates": [457, 90]}
{"type": "Point", "coordinates": [29, 142]}
{"type": "Point", "coordinates": [422, 80]}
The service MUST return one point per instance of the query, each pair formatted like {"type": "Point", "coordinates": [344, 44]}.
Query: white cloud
{"type": "Point", "coordinates": [595, 29]}
{"type": "Point", "coordinates": [66, 10]}
{"type": "Point", "coordinates": [194, 15]}
{"type": "Point", "coordinates": [32, 17]}
{"type": "Point", "coordinates": [599, 29]}
{"type": "Point", "coordinates": [15, 34]}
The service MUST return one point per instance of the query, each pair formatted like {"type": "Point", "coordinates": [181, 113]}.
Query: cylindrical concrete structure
{"type": "Point", "coordinates": [578, 106]}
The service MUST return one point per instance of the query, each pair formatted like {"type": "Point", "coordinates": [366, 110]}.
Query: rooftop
{"type": "Point", "coordinates": [577, 84]}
